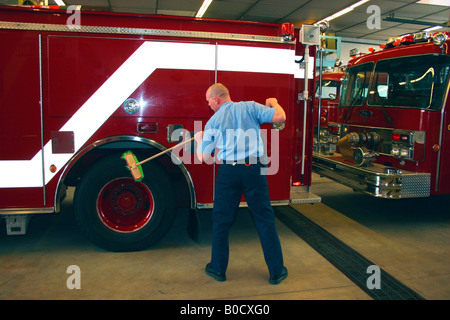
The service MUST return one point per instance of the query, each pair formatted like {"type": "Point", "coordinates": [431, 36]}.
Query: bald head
{"type": "Point", "coordinates": [218, 90]}
{"type": "Point", "coordinates": [216, 95]}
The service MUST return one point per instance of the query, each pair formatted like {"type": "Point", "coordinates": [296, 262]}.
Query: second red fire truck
{"type": "Point", "coordinates": [326, 100]}
{"type": "Point", "coordinates": [75, 96]}
{"type": "Point", "coordinates": [391, 138]}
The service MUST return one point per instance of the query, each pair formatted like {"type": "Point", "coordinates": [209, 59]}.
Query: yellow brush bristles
{"type": "Point", "coordinates": [136, 171]}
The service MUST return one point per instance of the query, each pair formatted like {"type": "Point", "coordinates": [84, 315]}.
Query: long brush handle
{"type": "Point", "coordinates": [162, 152]}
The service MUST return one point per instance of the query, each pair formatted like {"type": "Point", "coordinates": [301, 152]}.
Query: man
{"type": "Point", "coordinates": [230, 131]}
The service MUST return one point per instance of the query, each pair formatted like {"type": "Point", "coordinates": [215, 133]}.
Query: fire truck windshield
{"type": "Point", "coordinates": [413, 82]}
{"type": "Point", "coordinates": [356, 84]}
{"type": "Point", "coordinates": [418, 82]}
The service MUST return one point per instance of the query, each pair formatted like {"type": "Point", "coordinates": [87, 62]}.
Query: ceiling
{"type": "Point", "coordinates": [405, 16]}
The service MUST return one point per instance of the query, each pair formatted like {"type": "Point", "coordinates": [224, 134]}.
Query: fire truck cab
{"type": "Point", "coordinates": [75, 97]}
{"type": "Point", "coordinates": [392, 136]}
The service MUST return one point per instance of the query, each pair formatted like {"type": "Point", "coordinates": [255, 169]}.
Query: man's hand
{"type": "Point", "coordinates": [271, 102]}
{"type": "Point", "coordinates": [198, 137]}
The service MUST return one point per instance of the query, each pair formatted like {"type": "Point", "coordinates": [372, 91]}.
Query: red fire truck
{"type": "Point", "coordinates": [392, 136]}
{"type": "Point", "coordinates": [327, 89]}
{"type": "Point", "coordinates": [331, 86]}
{"type": "Point", "coordinates": [74, 97]}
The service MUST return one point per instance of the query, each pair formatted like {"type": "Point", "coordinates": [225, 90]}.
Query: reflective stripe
{"type": "Point", "coordinates": [140, 31]}
{"type": "Point", "coordinates": [130, 75]}
{"type": "Point", "coordinates": [254, 59]}
{"type": "Point", "coordinates": [21, 173]}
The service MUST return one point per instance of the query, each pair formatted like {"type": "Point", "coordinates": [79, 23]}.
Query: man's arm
{"type": "Point", "coordinates": [279, 115]}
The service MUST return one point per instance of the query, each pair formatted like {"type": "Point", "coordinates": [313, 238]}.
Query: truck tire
{"type": "Point", "coordinates": [118, 213]}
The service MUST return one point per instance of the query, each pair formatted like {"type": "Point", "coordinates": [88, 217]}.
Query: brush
{"type": "Point", "coordinates": [136, 167]}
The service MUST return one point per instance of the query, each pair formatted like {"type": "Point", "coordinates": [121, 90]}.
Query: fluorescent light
{"type": "Point", "coordinates": [433, 28]}
{"type": "Point", "coordinates": [203, 8]}
{"type": "Point", "coordinates": [60, 3]}
{"type": "Point", "coordinates": [343, 11]}
{"type": "Point", "coordinates": [444, 3]}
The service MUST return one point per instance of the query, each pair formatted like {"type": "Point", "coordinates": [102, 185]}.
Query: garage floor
{"type": "Point", "coordinates": [408, 239]}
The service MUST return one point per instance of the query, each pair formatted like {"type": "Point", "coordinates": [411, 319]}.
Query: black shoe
{"type": "Point", "coordinates": [217, 276]}
{"type": "Point", "coordinates": [283, 275]}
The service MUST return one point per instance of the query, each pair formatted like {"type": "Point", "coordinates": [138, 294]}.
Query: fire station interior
{"type": "Point", "coordinates": [345, 245]}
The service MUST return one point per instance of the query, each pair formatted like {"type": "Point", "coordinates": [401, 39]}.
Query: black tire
{"type": "Point", "coordinates": [119, 214]}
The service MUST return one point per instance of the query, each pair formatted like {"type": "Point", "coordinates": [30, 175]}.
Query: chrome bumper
{"type": "Point", "coordinates": [376, 180]}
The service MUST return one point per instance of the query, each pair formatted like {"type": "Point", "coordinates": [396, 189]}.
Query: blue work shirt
{"type": "Point", "coordinates": [235, 131]}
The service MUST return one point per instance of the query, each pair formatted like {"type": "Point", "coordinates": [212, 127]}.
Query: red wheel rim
{"type": "Point", "coordinates": [125, 205]}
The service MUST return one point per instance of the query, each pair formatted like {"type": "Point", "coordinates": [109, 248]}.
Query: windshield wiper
{"type": "Point", "coordinates": [352, 103]}
{"type": "Point", "coordinates": [386, 116]}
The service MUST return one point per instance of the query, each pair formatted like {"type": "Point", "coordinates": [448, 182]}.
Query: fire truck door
{"type": "Point", "coordinates": [258, 85]}
{"type": "Point", "coordinates": [21, 161]}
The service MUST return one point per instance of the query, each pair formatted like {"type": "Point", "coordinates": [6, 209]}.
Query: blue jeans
{"type": "Point", "coordinates": [231, 182]}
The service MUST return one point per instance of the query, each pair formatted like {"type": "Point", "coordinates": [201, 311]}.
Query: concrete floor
{"type": "Point", "coordinates": [409, 239]}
